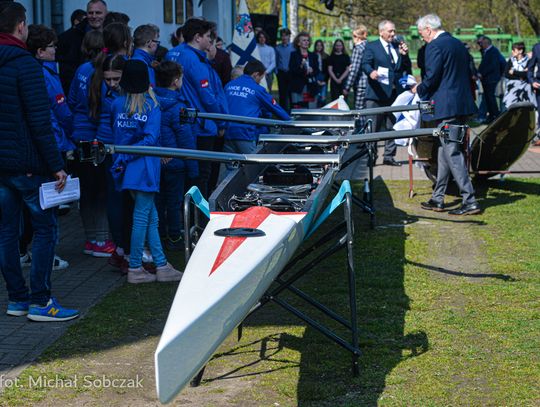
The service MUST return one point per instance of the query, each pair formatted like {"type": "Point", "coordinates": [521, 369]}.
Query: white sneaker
{"type": "Point", "coordinates": [25, 259]}
{"type": "Point", "coordinates": [168, 273]}
{"type": "Point", "coordinates": [59, 264]}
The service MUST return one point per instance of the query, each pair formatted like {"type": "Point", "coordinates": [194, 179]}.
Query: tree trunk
{"type": "Point", "coordinates": [525, 8]}
{"type": "Point", "coordinates": [293, 17]}
{"type": "Point", "coordinates": [275, 7]}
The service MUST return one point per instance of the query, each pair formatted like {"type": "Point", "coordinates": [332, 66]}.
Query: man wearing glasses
{"type": "Point", "coordinates": [146, 42]}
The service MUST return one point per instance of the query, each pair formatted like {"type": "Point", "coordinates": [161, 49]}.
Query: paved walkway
{"type": "Point", "coordinates": [88, 279]}
{"type": "Point", "coordinates": [80, 286]}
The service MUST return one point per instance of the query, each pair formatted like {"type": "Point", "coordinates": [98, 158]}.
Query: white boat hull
{"type": "Point", "coordinates": [224, 277]}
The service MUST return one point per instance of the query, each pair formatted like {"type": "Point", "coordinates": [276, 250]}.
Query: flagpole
{"type": "Point", "coordinates": [284, 13]}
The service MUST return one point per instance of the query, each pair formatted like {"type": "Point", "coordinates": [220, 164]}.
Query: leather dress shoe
{"type": "Point", "coordinates": [391, 162]}
{"type": "Point", "coordinates": [432, 205]}
{"type": "Point", "coordinates": [469, 209]}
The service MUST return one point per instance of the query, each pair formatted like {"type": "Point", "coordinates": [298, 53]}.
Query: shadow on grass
{"type": "Point", "coordinates": [510, 185]}
{"type": "Point", "coordinates": [504, 277]}
{"type": "Point", "coordinates": [325, 374]}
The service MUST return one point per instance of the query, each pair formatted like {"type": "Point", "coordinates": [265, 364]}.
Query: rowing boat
{"type": "Point", "coordinates": [252, 233]}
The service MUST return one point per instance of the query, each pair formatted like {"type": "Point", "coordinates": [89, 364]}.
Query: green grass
{"type": "Point", "coordinates": [448, 315]}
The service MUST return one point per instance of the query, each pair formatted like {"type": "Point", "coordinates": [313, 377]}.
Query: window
{"type": "Point", "coordinates": [167, 11]}
{"type": "Point", "coordinates": [184, 10]}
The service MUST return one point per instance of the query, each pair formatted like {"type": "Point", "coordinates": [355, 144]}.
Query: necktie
{"type": "Point", "coordinates": [390, 53]}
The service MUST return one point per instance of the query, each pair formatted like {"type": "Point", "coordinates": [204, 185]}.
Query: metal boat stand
{"type": "Point", "coordinates": [366, 202]}
{"type": "Point", "coordinates": [340, 237]}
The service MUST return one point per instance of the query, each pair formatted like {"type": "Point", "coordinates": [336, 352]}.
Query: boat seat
{"type": "Point", "coordinates": [274, 176]}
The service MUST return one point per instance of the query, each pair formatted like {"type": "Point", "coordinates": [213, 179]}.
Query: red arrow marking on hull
{"type": "Point", "coordinates": [250, 218]}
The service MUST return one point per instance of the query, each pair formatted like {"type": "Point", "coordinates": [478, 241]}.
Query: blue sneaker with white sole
{"type": "Point", "coordinates": [51, 312]}
{"type": "Point", "coordinates": [17, 308]}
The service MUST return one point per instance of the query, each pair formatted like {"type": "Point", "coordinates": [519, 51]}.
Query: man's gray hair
{"type": "Point", "coordinates": [383, 23]}
{"type": "Point", "coordinates": [432, 21]}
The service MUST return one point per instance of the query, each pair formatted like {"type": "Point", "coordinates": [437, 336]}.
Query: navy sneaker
{"type": "Point", "coordinates": [17, 309]}
{"type": "Point", "coordinates": [51, 312]}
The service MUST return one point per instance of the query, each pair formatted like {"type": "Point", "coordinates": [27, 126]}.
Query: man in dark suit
{"type": "Point", "coordinates": [533, 74]}
{"type": "Point", "coordinates": [490, 72]}
{"type": "Point", "coordinates": [447, 85]}
{"type": "Point", "coordinates": [385, 61]}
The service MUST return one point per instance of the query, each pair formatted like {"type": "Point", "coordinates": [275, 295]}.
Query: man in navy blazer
{"type": "Point", "coordinates": [447, 85]}
{"type": "Point", "coordinates": [490, 71]}
{"type": "Point", "coordinates": [385, 56]}
{"type": "Point", "coordinates": [533, 74]}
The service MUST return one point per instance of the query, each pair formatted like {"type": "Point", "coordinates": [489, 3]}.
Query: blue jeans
{"type": "Point", "coordinates": [14, 192]}
{"type": "Point", "coordinates": [169, 202]}
{"type": "Point", "coordinates": [145, 227]}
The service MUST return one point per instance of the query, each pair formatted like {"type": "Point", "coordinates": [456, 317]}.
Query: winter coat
{"type": "Point", "coordinates": [27, 143]}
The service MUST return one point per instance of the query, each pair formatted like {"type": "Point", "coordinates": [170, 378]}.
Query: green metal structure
{"type": "Point", "coordinates": [467, 35]}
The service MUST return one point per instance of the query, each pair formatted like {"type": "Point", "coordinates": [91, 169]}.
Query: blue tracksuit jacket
{"type": "Point", "coordinates": [245, 97]}
{"type": "Point", "coordinates": [139, 173]}
{"type": "Point", "coordinates": [61, 117]}
{"type": "Point", "coordinates": [202, 87]}
{"type": "Point", "coordinates": [173, 133]}
{"type": "Point", "coordinates": [84, 128]}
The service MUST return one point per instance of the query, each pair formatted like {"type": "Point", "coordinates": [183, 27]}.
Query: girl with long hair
{"type": "Point", "coordinates": [322, 78]}
{"type": "Point", "coordinates": [136, 118]}
{"type": "Point", "coordinates": [339, 65]}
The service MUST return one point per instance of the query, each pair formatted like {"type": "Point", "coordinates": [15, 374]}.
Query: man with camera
{"type": "Point", "coordinates": [385, 62]}
{"type": "Point", "coordinates": [447, 85]}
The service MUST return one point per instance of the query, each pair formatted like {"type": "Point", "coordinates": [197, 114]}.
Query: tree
{"type": "Point", "coordinates": [293, 17]}
{"type": "Point", "coordinates": [525, 8]}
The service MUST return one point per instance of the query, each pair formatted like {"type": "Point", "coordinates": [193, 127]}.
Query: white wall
{"type": "Point", "coordinates": [151, 11]}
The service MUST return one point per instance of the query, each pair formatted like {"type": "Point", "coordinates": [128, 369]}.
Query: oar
{"type": "Point", "coordinates": [190, 115]}
{"type": "Point", "coordinates": [95, 152]}
{"type": "Point", "coordinates": [425, 107]}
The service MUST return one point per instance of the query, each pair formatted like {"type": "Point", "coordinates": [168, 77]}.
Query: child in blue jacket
{"type": "Point", "coordinates": [136, 120]}
{"type": "Point", "coordinates": [41, 42]}
{"type": "Point", "coordinates": [245, 97]}
{"type": "Point", "coordinates": [173, 172]}
{"type": "Point", "coordinates": [203, 90]}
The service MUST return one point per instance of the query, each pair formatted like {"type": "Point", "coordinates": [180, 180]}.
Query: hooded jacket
{"type": "Point", "coordinates": [27, 143]}
{"type": "Point", "coordinates": [246, 97]}
{"type": "Point", "coordinates": [61, 117]}
{"type": "Point", "coordinates": [174, 134]}
{"type": "Point", "coordinates": [139, 173]}
{"type": "Point", "coordinates": [202, 87]}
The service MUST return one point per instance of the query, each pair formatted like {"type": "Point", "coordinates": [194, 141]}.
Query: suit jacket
{"type": "Point", "coordinates": [376, 56]}
{"type": "Point", "coordinates": [492, 66]}
{"type": "Point", "coordinates": [447, 81]}
{"type": "Point", "coordinates": [534, 63]}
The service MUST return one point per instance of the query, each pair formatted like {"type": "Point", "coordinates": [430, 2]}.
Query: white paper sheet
{"type": "Point", "coordinates": [383, 75]}
{"type": "Point", "coordinates": [49, 197]}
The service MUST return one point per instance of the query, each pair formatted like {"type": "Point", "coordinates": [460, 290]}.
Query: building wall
{"type": "Point", "coordinates": [140, 12]}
